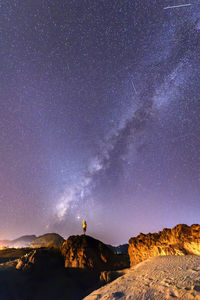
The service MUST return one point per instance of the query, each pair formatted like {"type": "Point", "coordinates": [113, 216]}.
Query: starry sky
{"type": "Point", "coordinates": [99, 116]}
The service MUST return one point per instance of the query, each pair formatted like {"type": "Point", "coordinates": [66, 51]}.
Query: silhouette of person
{"type": "Point", "coordinates": [84, 226]}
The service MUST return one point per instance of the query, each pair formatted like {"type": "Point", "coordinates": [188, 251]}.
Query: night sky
{"type": "Point", "coordinates": [99, 116]}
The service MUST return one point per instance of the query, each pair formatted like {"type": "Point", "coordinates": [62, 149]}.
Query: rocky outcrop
{"type": "Point", "coordinates": [180, 240]}
{"type": "Point", "coordinates": [42, 259]}
{"type": "Point", "coordinates": [108, 276]}
{"type": "Point", "coordinates": [26, 262]}
{"type": "Point", "coordinates": [85, 252]}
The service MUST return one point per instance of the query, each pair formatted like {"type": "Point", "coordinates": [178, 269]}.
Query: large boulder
{"type": "Point", "coordinates": [85, 252]}
{"type": "Point", "coordinates": [180, 240]}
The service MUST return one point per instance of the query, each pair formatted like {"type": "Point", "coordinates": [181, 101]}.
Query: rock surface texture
{"type": "Point", "coordinates": [180, 240]}
{"type": "Point", "coordinates": [85, 252]}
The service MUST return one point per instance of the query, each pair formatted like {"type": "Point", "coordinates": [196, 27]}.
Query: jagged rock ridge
{"type": "Point", "coordinates": [180, 240]}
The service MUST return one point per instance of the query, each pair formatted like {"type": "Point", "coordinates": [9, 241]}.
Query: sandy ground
{"type": "Point", "coordinates": [159, 278]}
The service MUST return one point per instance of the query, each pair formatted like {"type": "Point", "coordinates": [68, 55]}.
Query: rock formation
{"type": "Point", "coordinates": [85, 252]}
{"type": "Point", "coordinates": [108, 276]}
{"type": "Point", "coordinates": [42, 259]}
{"type": "Point", "coordinates": [180, 240]}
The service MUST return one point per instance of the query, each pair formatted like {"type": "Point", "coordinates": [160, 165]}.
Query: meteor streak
{"type": "Point", "coordinates": [176, 6]}
{"type": "Point", "coordinates": [133, 86]}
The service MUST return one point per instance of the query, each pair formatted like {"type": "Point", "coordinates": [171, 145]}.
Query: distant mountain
{"type": "Point", "coordinates": [48, 240]}
{"type": "Point", "coordinates": [45, 240]}
{"type": "Point", "coordinates": [23, 241]}
{"type": "Point", "coordinates": [121, 249]}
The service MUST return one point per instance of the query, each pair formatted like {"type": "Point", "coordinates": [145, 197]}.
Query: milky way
{"type": "Point", "coordinates": [99, 117]}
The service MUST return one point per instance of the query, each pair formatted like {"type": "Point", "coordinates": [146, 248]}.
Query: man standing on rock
{"type": "Point", "coordinates": [84, 226]}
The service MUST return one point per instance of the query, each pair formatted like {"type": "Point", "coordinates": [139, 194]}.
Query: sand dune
{"type": "Point", "coordinates": [159, 278]}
